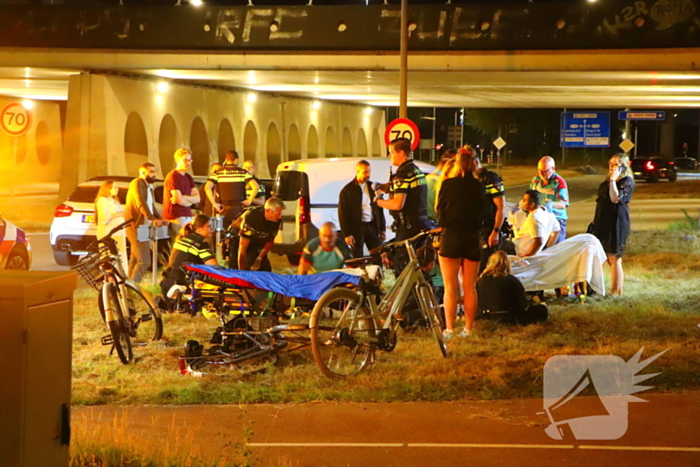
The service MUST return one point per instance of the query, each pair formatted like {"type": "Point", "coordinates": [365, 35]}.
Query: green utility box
{"type": "Point", "coordinates": [36, 334]}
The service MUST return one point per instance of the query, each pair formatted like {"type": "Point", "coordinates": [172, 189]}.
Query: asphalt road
{"type": "Point", "coordinates": [661, 432]}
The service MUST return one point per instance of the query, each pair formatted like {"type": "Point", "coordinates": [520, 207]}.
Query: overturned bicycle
{"type": "Point", "coordinates": [352, 315]}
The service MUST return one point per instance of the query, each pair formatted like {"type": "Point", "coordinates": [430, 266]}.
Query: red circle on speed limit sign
{"type": "Point", "coordinates": [15, 120]}
{"type": "Point", "coordinates": [402, 128]}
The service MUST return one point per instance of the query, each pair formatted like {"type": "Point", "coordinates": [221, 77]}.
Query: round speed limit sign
{"type": "Point", "coordinates": [15, 120]}
{"type": "Point", "coordinates": [402, 128]}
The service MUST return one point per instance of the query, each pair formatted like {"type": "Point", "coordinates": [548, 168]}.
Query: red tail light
{"type": "Point", "coordinates": [650, 165]}
{"type": "Point", "coordinates": [63, 210]}
{"type": "Point", "coordinates": [671, 163]}
{"type": "Point", "coordinates": [304, 210]}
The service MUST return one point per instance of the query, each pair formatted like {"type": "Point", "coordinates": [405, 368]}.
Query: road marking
{"type": "Point", "coordinates": [329, 445]}
{"type": "Point", "coordinates": [589, 447]}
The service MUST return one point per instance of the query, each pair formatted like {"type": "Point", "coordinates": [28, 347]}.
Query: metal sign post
{"type": "Point", "coordinates": [153, 235]}
{"type": "Point", "coordinates": [403, 80]}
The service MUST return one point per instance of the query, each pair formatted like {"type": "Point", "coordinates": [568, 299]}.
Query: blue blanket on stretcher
{"type": "Point", "coordinates": [311, 287]}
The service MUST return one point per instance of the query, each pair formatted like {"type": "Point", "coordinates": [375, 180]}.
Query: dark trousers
{"type": "Point", "coordinates": [231, 210]}
{"type": "Point", "coordinates": [251, 255]}
{"type": "Point", "coordinates": [369, 235]}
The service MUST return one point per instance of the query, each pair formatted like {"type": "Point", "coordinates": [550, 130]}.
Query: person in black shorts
{"type": "Point", "coordinates": [459, 208]}
{"type": "Point", "coordinates": [257, 228]}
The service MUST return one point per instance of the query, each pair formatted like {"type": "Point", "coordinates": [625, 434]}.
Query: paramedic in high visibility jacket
{"type": "Point", "coordinates": [231, 182]}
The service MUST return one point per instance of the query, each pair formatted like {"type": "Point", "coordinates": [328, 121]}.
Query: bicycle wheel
{"type": "Point", "coordinates": [430, 307]}
{"type": "Point", "coordinates": [118, 324]}
{"type": "Point", "coordinates": [146, 323]}
{"type": "Point", "coordinates": [243, 364]}
{"type": "Point", "coordinates": [341, 334]}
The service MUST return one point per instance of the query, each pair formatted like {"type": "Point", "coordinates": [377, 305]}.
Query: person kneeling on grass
{"type": "Point", "coordinates": [191, 246]}
{"type": "Point", "coordinates": [502, 297]}
{"type": "Point", "coordinates": [325, 253]}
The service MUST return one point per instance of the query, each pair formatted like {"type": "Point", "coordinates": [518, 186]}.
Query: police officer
{"type": "Point", "coordinates": [494, 211]}
{"type": "Point", "coordinates": [257, 229]}
{"type": "Point", "coordinates": [254, 191]}
{"type": "Point", "coordinates": [231, 181]}
{"type": "Point", "coordinates": [410, 192]}
{"type": "Point", "coordinates": [191, 246]}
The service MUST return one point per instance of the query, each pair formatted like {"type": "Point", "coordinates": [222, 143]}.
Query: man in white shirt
{"type": "Point", "coordinates": [539, 230]}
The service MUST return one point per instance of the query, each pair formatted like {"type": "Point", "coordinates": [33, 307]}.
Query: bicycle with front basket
{"type": "Point", "coordinates": [128, 310]}
{"type": "Point", "coordinates": [347, 326]}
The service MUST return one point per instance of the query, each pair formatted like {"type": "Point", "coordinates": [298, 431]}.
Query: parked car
{"type": "Point", "coordinates": [686, 162]}
{"type": "Point", "coordinates": [652, 169]}
{"type": "Point", "coordinates": [73, 227]}
{"type": "Point", "coordinates": [15, 248]}
{"type": "Point", "coordinates": [310, 189]}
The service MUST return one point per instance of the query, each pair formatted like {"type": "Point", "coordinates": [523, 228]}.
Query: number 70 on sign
{"type": "Point", "coordinates": [15, 119]}
{"type": "Point", "coordinates": [402, 128]}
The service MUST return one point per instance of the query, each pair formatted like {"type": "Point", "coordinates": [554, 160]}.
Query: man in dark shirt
{"type": "Point", "coordinates": [494, 211]}
{"type": "Point", "coordinates": [179, 193]}
{"type": "Point", "coordinates": [410, 191]}
{"type": "Point", "coordinates": [257, 229]}
{"type": "Point", "coordinates": [361, 220]}
{"type": "Point", "coordinates": [231, 181]}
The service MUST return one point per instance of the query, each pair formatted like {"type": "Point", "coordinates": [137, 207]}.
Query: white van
{"type": "Point", "coordinates": [310, 189]}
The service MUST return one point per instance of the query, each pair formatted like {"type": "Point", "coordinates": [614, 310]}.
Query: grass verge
{"type": "Point", "coordinates": [659, 311]}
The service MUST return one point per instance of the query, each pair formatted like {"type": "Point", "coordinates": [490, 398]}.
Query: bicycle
{"type": "Point", "coordinates": [125, 306]}
{"type": "Point", "coordinates": [345, 345]}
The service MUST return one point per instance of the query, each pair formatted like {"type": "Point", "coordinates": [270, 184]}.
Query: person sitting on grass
{"type": "Point", "coordinates": [325, 253]}
{"type": "Point", "coordinates": [538, 231]}
{"type": "Point", "coordinates": [502, 297]}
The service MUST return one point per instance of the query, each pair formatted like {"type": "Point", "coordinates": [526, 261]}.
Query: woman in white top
{"type": "Point", "coordinates": [109, 214]}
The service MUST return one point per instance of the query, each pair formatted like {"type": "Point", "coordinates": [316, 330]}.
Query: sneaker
{"type": "Point", "coordinates": [447, 335]}
{"type": "Point", "coordinates": [464, 333]}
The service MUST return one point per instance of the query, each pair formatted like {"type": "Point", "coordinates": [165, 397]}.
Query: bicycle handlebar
{"type": "Point", "coordinates": [395, 243]}
{"type": "Point", "coordinates": [117, 229]}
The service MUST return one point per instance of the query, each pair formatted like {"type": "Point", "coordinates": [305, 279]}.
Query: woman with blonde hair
{"type": "Point", "coordinates": [611, 223]}
{"type": "Point", "coordinates": [459, 207]}
{"type": "Point", "coordinates": [109, 213]}
{"type": "Point", "coordinates": [502, 297]}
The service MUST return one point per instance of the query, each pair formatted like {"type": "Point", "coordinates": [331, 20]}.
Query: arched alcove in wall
{"type": "Point", "coordinates": [331, 145]}
{"type": "Point", "coordinates": [250, 143]}
{"type": "Point", "coordinates": [226, 141]}
{"type": "Point", "coordinates": [167, 144]}
{"type": "Point", "coordinates": [376, 144]}
{"type": "Point", "coordinates": [293, 144]}
{"type": "Point", "coordinates": [42, 139]}
{"type": "Point", "coordinates": [273, 148]}
{"type": "Point", "coordinates": [135, 144]}
{"type": "Point", "coordinates": [199, 147]}
{"type": "Point", "coordinates": [361, 144]}
{"type": "Point", "coordinates": [312, 143]}
{"type": "Point", "coordinates": [20, 149]}
{"type": "Point", "coordinates": [347, 143]}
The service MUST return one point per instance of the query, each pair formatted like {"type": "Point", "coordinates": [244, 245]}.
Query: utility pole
{"type": "Point", "coordinates": [403, 85]}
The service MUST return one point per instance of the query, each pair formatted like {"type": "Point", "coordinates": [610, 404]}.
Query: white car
{"type": "Point", "coordinates": [73, 227]}
{"type": "Point", "coordinates": [310, 189]}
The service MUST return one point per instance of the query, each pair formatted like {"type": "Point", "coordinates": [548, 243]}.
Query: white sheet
{"type": "Point", "coordinates": [576, 259]}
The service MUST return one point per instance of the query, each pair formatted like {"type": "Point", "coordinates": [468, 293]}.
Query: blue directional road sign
{"type": "Point", "coordinates": [584, 129]}
{"type": "Point", "coordinates": [641, 115]}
